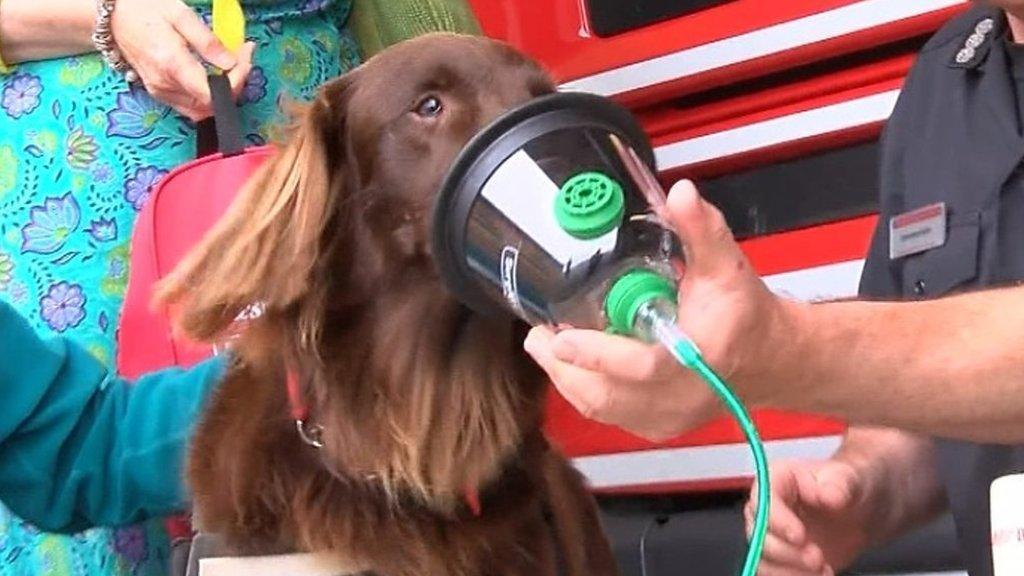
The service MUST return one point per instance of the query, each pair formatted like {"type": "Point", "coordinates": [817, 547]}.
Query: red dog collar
{"type": "Point", "coordinates": [311, 434]}
{"type": "Point", "coordinates": [298, 407]}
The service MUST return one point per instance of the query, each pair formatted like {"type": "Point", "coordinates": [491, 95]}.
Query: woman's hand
{"type": "Point", "coordinates": [158, 38]}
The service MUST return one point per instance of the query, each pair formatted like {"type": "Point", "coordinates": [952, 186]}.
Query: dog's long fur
{"type": "Point", "coordinates": [420, 399]}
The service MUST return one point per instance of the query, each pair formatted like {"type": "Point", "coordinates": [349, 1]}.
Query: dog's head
{"type": "Point", "coordinates": [332, 239]}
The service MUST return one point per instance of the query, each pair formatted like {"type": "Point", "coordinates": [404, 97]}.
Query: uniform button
{"type": "Point", "coordinates": [919, 287]}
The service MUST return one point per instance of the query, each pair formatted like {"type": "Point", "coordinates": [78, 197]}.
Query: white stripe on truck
{"type": "Point", "coordinates": [768, 41]}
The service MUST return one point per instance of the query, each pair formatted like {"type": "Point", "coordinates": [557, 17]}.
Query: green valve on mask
{"type": "Point", "coordinates": [631, 291]}
{"type": "Point", "coordinates": [590, 205]}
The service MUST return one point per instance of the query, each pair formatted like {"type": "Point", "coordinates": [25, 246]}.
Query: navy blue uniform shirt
{"type": "Point", "coordinates": [955, 137]}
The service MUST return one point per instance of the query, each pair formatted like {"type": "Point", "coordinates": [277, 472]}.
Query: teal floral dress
{"type": "Point", "coordinates": [80, 151]}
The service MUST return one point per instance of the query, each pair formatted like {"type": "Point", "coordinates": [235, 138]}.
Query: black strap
{"type": "Point", "coordinates": [222, 132]}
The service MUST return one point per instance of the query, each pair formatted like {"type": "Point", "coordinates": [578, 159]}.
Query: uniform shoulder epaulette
{"type": "Point", "coordinates": [958, 29]}
{"type": "Point", "coordinates": [976, 46]}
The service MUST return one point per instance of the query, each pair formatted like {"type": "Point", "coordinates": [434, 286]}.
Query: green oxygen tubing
{"type": "Point", "coordinates": [642, 303]}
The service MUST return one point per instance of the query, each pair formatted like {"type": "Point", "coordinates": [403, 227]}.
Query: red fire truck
{"type": "Point", "coordinates": [775, 108]}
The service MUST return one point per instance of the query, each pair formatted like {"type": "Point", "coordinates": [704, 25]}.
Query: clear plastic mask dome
{"type": "Point", "coordinates": [544, 212]}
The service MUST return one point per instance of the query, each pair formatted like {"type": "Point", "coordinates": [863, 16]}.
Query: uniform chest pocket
{"type": "Point", "coordinates": [940, 270]}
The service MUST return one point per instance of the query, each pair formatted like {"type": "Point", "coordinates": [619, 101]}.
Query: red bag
{"type": "Point", "coordinates": [181, 208]}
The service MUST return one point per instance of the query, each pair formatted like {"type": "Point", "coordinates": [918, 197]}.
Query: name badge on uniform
{"type": "Point", "coordinates": [917, 231]}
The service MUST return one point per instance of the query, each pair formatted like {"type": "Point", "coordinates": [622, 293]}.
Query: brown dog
{"type": "Point", "coordinates": [424, 405]}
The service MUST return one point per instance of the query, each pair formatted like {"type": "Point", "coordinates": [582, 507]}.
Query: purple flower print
{"type": "Point", "coordinates": [21, 95]}
{"type": "Point", "coordinates": [102, 173]}
{"type": "Point", "coordinates": [138, 187]}
{"type": "Point", "coordinates": [130, 544]}
{"type": "Point", "coordinates": [50, 225]}
{"type": "Point", "coordinates": [18, 293]}
{"type": "Point", "coordinates": [103, 230]}
{"type": "Point", "coordinates": [313, 5]}
{"type": "Point", "coordinates": [136, 114]}
{"type": "Point", "coordinates": [63, 306]}
{"type": "Point", "coordinates": [115, 269]}
{"type": "Point", "coordinates": [255, 86]}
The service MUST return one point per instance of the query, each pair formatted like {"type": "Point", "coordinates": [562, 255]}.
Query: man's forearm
{"type": "Point", "coordinates": [43, 29]}
{"type": "Point", "coordinates": [899, 479]}
{"type": "Point", "coordinates": [952, 367]}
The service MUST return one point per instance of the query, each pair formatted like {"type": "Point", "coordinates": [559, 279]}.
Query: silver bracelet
{"type": "Point", "coordinates": [103, 39]}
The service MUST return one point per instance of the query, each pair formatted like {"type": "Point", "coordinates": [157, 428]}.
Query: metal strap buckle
{"type": "Point", "coordinates": [311, 434]}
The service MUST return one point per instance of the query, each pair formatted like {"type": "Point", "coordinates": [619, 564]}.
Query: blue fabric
{"type": "Point", "coordinates": [80, 153]}
{"type": "Point", "coordinates": [80, 447]}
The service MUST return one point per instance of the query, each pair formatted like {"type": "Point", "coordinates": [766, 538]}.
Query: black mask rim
{"type": "Point", "coordinates": [488, 149]}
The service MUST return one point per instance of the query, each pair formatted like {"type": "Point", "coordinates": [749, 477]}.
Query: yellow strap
{"type": "Point", "coordinates": [229, 23]}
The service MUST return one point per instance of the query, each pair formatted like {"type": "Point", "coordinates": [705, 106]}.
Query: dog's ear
{"type": "Point", "coordinates": [263, 252]}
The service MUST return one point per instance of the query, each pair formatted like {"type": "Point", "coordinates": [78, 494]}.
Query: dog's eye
{"type": "Point", "coordinates": [429, 107]}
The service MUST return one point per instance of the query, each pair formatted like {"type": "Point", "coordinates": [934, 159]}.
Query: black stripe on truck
{"type": "Point", "coordinates": [807, 191]}
{"type": "Point", "coordinates": [610, 17]}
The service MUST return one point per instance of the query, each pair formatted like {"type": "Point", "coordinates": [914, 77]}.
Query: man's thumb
{"type": "Point", "coordinates": [838, 486]}
{"type": "Point", "coordinates": [707, 240]}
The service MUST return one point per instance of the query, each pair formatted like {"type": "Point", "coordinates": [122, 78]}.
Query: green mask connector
{"type": "Point", "coordinates": [630, 292]}
{"type": "Point", "coordinates": [590, 205]}
{"type": "Point", "coordinates": [641, 304]}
